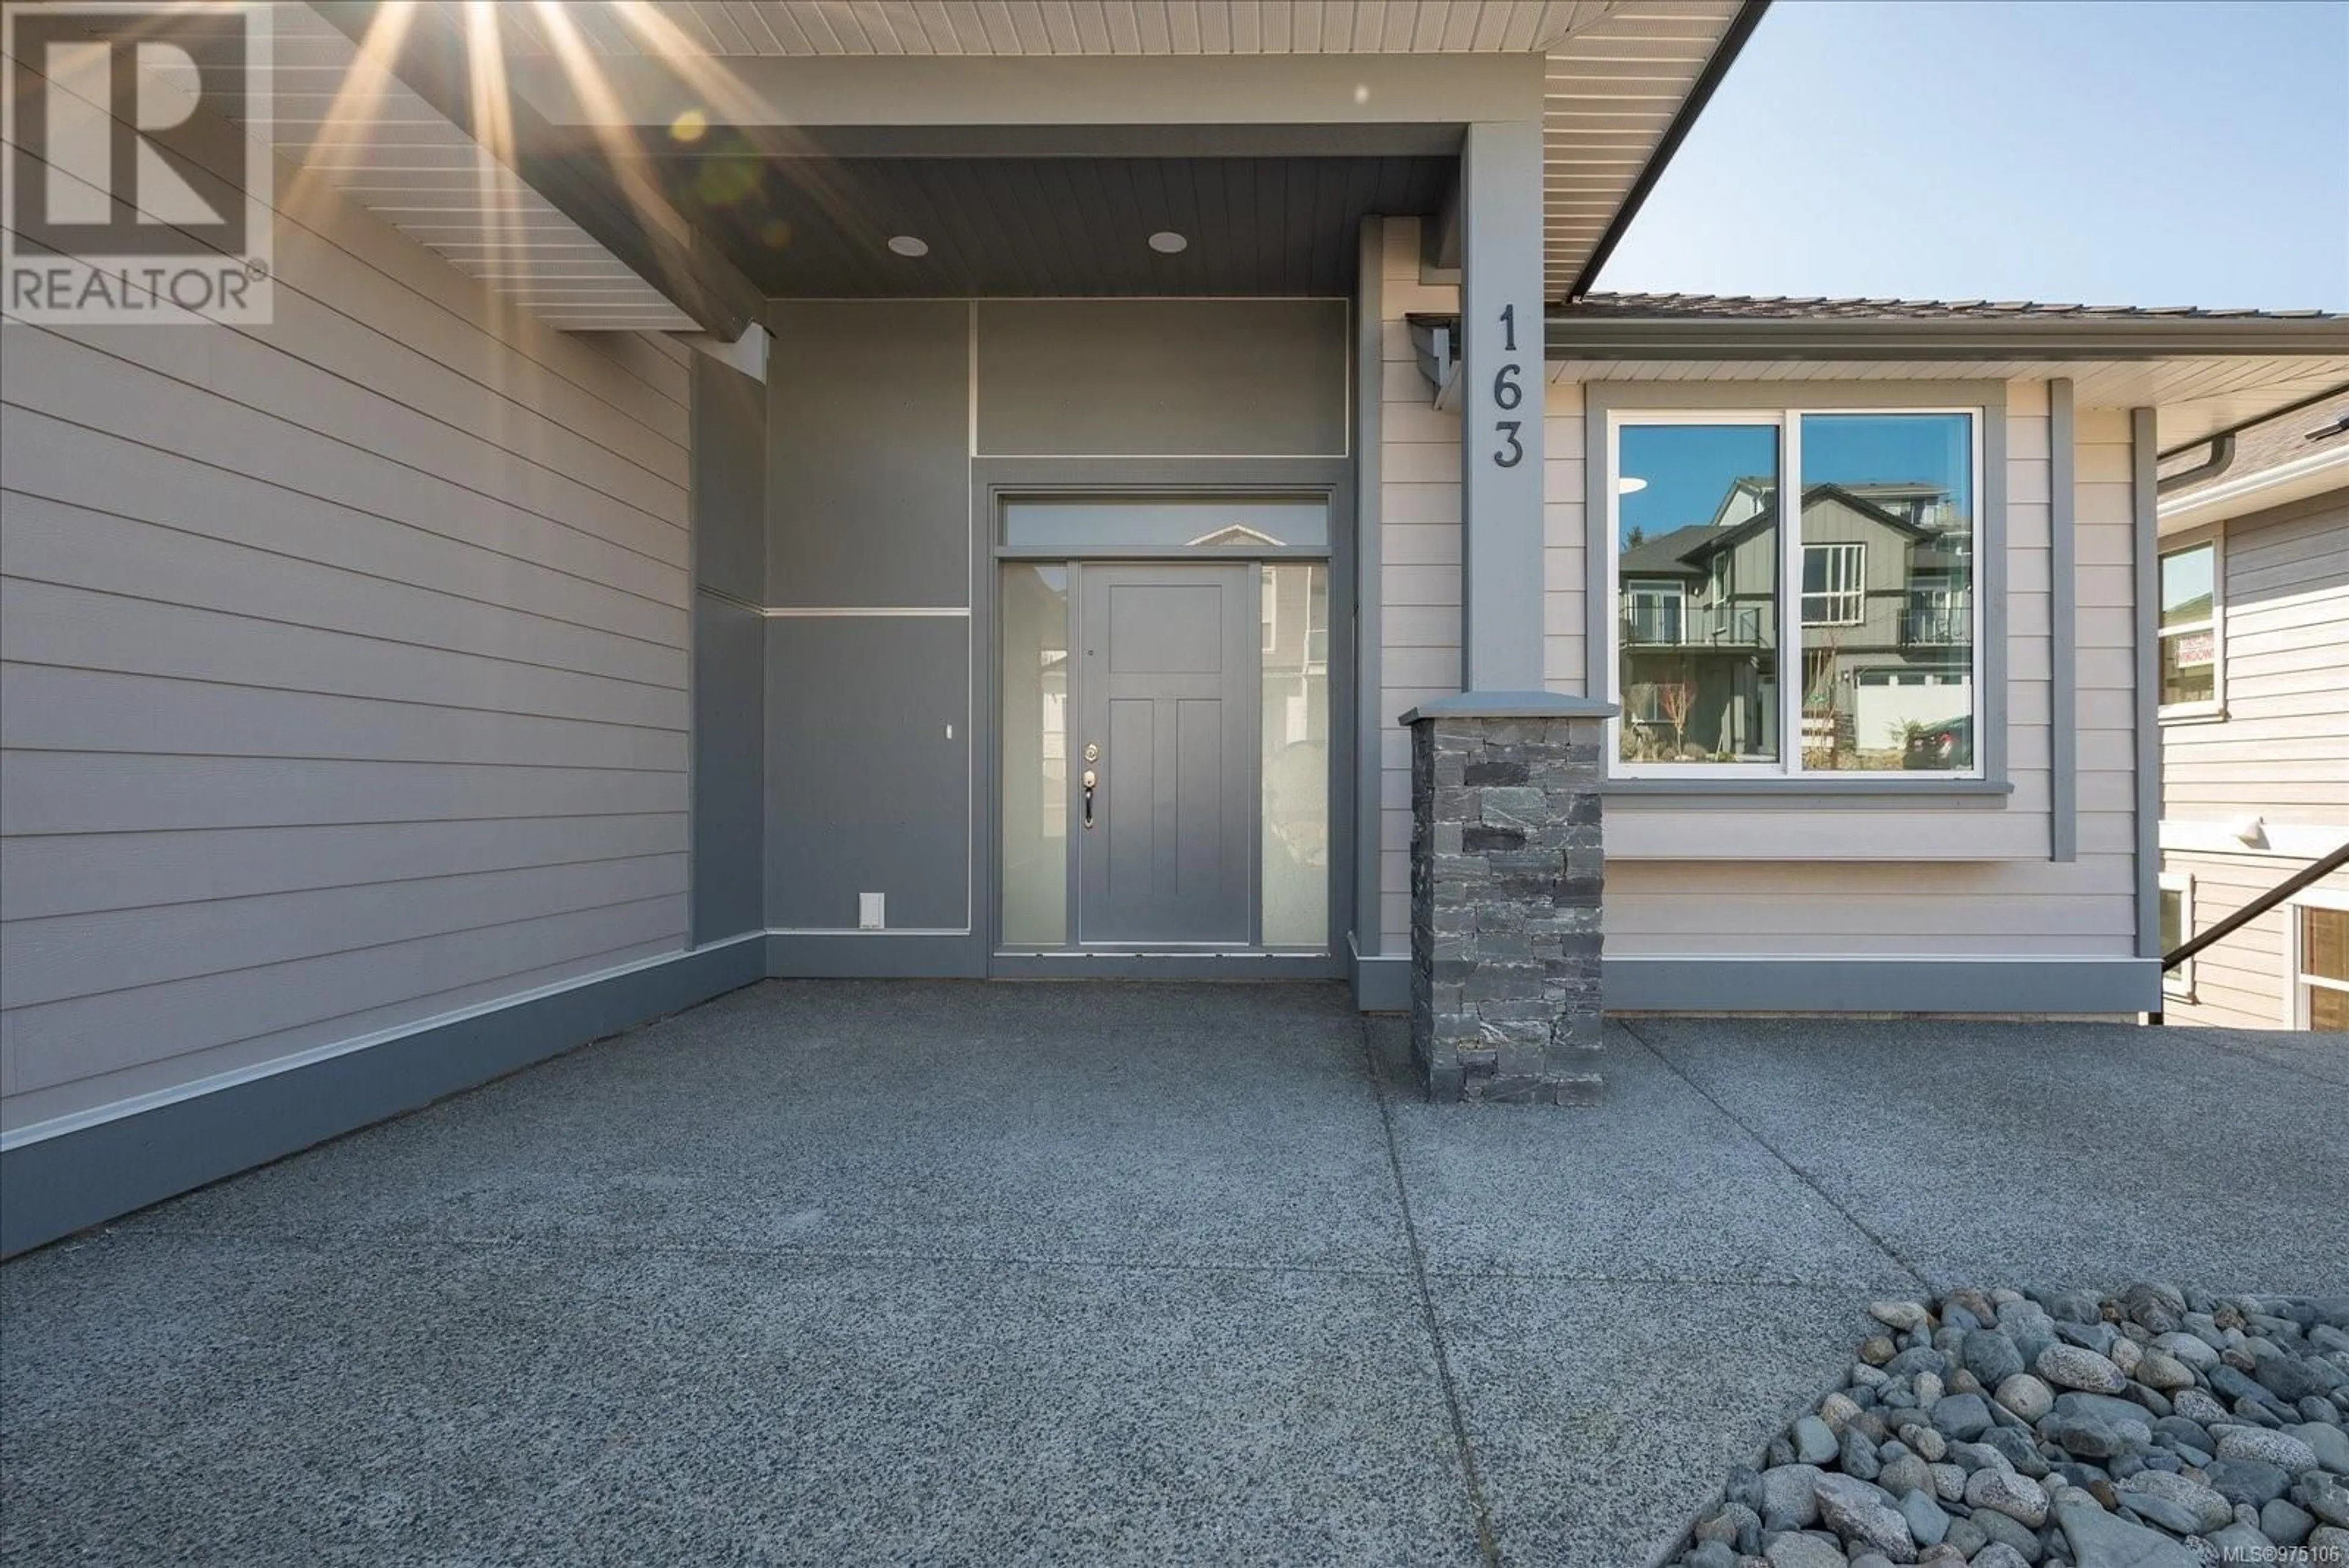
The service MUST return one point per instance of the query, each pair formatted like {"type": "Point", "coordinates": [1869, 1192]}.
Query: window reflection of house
{"type": "Point", "coordinates": [1885, 602]}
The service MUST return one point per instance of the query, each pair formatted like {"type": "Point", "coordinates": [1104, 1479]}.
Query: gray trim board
{"type": "Point", "coordinates": [875, 955]}
{"type": "Point", "coordinates": [1882, 985]}
{"type": "Point", "coordinates": [59, 1185]}
{"type": "Point", "coordinates": [2145, 557]}
{"type": "Point", "coordinates": [1501, 393]}
{"type": "Point", "coordinates": [1814, 791]}
{"type": "Point", "coordinates": [845, 142]}
{"type": "Point", "coordinates": [1165, 966]}
{"type": "Point", "coordinates": [1975, 339]}
{"type": "Point", "coordinates": [1237, 94]}
{"type": "Point", "coordinates": [2064, 628]}
{"type": "Point", "coordinates": [1370, 493]}
{"type": "Point", "coordinates": [1603, 399]}
{"type": "Point", "coordinates": [1381, 984]}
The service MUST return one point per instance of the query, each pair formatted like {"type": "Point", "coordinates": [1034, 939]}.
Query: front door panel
{"type": "Point", "coordinates": [1166, 677]}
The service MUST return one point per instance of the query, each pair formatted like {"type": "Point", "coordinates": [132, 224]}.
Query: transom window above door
{"type": "Point", "coordinates": [1871, 664]}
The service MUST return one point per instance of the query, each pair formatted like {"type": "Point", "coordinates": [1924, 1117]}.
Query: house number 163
{"type": "Point", "coordinates": [1508, 393]}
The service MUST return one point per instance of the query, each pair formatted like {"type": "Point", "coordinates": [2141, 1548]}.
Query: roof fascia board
{"type": "Point", "coordinates": [812, 92]}
{"type": "Point", "coordinates": [2139, 338]}
{"type": "Point", "coordinates": [1708, 80]}
{"type": "Point", "coordinates": [638, 227]}
{"type": "Point", "coordinates": [951, 141]}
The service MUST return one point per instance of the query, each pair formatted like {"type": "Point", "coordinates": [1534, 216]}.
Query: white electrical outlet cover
{"type": "Point", "coordinates": [872, 911]}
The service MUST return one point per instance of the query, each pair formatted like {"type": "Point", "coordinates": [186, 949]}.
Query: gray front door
{"type": "Point", "coordinates": [1166, 685]}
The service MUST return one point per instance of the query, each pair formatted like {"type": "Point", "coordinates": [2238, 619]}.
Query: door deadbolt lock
{"type": "Point", "coordinates": [1092, 752]}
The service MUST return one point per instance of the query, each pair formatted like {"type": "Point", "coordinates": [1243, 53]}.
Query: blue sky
{"type": "Point", "coordinates": [1689, 468]}
{"type": "Point", "coordinates": [2149, 153]}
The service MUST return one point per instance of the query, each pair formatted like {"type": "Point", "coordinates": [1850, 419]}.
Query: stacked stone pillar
{"type": "Point", "coordinates": [1507, 865]}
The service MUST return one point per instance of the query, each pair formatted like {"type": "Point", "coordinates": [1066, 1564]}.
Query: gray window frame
{"type": "Point", "coordinates": [1602, 400]}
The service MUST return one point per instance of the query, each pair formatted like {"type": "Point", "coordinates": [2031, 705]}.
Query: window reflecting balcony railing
{"type": "Point", "coordinates": [1705, 625]}
{"type": "Point", "coordinates": [1937, 623]}
{"type": "Point", "coordinates": [1654, 625]}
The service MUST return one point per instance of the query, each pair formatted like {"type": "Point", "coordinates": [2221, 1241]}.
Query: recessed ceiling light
{"type": "Point", "coordinates": [1167, 243]}
{"type": "Point", "coordinates": [1629, 486]}
{"type": "Point", "coordinates": [907, 245]}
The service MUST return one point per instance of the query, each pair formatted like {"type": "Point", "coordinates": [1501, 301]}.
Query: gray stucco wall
{"type": "Point", "coordinates": [878, 569]}
{"type": "Point", "coordinates": [866, 790]}
{"type": "Point", "coordinates": [1162, 377]}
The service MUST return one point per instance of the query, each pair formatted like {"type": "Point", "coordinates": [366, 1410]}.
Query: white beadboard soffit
{"type": "Point", "coordinates": [386, 150]}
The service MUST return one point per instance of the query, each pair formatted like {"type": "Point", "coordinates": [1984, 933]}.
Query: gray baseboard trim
{"type": "Point", "coordinates": [1165, 966]}
{"type": "Point", "coordinates": [2001, 985]}
{"type": "Point", "coordinates": [1381, 984]}
{"type": "Point", "coordinates": [875, 955]}
{"type": "Point", "coordinates": [56, 1186]}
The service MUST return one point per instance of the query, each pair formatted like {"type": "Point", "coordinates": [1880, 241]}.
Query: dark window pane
{"type": "Point", "coordinates": [2324, 943]}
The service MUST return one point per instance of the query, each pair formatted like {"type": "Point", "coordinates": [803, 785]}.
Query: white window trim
{"type": "Point", "coordinates": [2178, 983]}
{"type": "Point", "coordinates": [2215, 706]}
{"type": "Point", "coordinates": [1663, 590]}
{"type": "Point", "coordinates": [1787, 420]}
{"type": "Point", "coordinates": [1857, 593]}
{"type": "Point", "coordinates": [2297, 985]}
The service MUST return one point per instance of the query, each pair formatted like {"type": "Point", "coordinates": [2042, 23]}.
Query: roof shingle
{"type": "Point", "coordinates": [1782, 307]}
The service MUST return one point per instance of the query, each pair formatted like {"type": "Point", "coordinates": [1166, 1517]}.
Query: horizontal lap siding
{"type": "Point", "coordinates": [1689, 878]}
{"type": "Point", "coordinates": [344, 670]}
{"type": "Point", "coordinates": [1419, 482]}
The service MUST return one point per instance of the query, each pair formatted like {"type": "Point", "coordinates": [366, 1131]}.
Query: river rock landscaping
{"type": "Point", "coordinates": [2154, 1427]}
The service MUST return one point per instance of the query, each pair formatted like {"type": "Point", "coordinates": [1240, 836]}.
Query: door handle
{"type": "Point", "coordinates": [1090, 781]}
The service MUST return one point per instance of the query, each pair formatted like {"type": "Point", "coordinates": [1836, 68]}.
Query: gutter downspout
{"type": "Point", "coordinates": [2221, 459]}
{"type": "Point", "coordinates": [1732, 39]}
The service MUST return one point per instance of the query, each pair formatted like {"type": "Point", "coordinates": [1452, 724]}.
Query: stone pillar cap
{"type": "Point", "coordinates": [1512, 705]}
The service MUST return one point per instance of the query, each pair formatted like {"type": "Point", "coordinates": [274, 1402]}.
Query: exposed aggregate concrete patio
{"type": "Point", "coordinates": [865, 1273]}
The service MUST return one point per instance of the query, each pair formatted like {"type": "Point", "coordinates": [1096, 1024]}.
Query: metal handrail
{"type": "Point", "coordinates": [2258, 906]}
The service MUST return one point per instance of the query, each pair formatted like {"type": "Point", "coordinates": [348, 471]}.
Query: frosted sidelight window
{"type": "Point", "coordinates": [1295, 718]}
{"type": "Point", "coordinates": [1035, 746]}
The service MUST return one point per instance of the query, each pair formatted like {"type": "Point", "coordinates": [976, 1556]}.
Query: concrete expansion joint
{"type": "Point", "coordinates": [1875, 1236]}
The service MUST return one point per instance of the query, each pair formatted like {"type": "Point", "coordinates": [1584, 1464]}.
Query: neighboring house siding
{"type": "Point", "coordinates": [346, 667]}
{"type": "Point", "coordinates": [2237, 983]}
{"type": "Point", "coordinates": [1873, 877]}
{"type": "Point", "coordinates": [2280, 752]}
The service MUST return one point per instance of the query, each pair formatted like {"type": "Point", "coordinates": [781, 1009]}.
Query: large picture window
{"type": "Point", "coordinates": [1869, 664]}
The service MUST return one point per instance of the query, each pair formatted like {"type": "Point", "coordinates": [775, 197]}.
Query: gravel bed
{"type": "Point", "coordinates": [2153, 1427]}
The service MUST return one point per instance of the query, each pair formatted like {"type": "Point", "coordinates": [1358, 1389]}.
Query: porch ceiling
{"type": "Point", "coordinates": [1049, 226]}
{"type": "Point", "coordinates": [1618, 72]}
